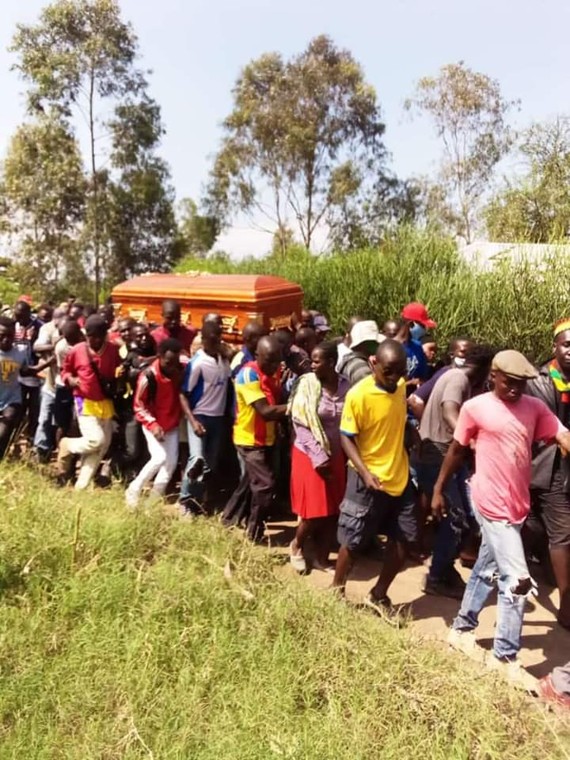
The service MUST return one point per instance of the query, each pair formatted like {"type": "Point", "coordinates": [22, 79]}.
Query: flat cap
{"type": "Point", "coordinates": [514, 364]}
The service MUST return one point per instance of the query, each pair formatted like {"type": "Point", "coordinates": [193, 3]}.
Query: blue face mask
{"type": "Point", "coordinates": [417, 331]}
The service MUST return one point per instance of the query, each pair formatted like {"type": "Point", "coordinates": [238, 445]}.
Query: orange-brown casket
{"type": "Point", "coordinates": [238, 298]}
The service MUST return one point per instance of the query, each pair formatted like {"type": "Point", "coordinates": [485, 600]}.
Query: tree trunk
{"type": "Point", "coordinates": [94, 191]}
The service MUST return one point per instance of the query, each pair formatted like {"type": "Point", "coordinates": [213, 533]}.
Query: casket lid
{"type": "Point", "coordinates": [200, 285]}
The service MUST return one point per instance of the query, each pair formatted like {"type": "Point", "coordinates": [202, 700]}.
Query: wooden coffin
{"type": "Point", "coordinates": [238, 298]}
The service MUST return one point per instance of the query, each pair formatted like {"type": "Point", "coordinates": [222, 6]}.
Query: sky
{"type": "Point", "coordinates": [196, 49]}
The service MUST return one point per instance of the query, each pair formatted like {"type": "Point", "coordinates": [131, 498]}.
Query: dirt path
{"type": "Point", "coordinates": [545, 644]}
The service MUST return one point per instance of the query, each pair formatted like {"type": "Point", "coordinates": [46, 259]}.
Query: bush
{"type": "Point", "coordinates": [513, 306]}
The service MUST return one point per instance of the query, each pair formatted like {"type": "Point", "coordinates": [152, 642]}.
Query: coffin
{"type": "Point", "coordinates": [238, 298]}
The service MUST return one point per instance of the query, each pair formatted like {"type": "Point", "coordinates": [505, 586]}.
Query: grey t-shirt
{"type": "Point", "coordinates": [435, 433]}
{"type": "Point", "coordinates": [11, 363]}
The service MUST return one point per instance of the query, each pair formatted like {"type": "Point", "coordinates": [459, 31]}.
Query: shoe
{"type": "Point", "coordinates": [64, 457]}
{"type": "Point", "coordinates": [131, 498]}
{"type": "Point", "coordinates": [324, 568]}
{"type": "Point", "coordinates": [513, 672]}
{"type": "Point", "coordinates": [465, 641]}
{"type": "Point", "coordinates": [384, 609]}
{"type": "Point", "coordinates": [547, 692]}
{"type": "Point", "coordinates": [452, 590]}
{"type": "Point", "coordinates": [298, 563]}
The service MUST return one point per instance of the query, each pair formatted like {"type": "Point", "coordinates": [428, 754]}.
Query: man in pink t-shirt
{"type": "Point", "coordinates": [502, 426]}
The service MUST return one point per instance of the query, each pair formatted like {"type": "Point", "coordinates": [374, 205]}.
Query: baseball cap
{"type": "Point", "coordinates": [514, 364]}
{"type": "Point", "coordinates": [365, 331]}
{"type": "Point", "coordinates": [26, 299]}
{"type": "Point", "coordinates": [417, 312]}
{"type": "Point", "coordinates": [320, 324]}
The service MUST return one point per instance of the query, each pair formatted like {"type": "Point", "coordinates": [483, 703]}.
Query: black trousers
{"type": "Point", "coordinates": [257, 482]}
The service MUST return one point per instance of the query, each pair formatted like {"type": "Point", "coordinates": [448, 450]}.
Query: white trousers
{"type": "Point", "coordinates": [161, 465]}
{"type": "Point", "coordinates": [95, 439]}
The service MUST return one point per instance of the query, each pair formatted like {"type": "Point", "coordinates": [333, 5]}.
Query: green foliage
{"type": "Point", "coordinates": [469, 114]}
{"type": "Point", "coordinates": [124, 637]}
{"type": "Point", "coordinates": [301, 137]}
{"type": "Point", "coordinates": [536, 208]}
{"type": "Point", "coordinates": [198, 232]}
{"type": "Point", "coordinates": [515, 305]}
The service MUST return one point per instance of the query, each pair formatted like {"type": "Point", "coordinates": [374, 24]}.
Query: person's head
{"type": "Point", "coordinates": [306, 338]}
{"type": "Point", "coordinates": [251, 334]}
{"type": "Point", "coordinates": [96, 330]}
{"type": "Point", "coordinates": [285, 338]}
{"type": "Point", "coordinates": [324, 359]}
{"type": "Point", "coordinates": [306, 319]}
{"type": "Point", "coordinates": [510, 371]}
{"type": "Point", "coordinates": [71, 331]}
{"type": "Point", "coordinates": [107, 311]}
{"type": "Point", "coordinates": [429, 346]}
{"type": "Point", "coordinates": [7, 328]}
{"type": "Point", "coordinates": [391, 327]}
{"type": "Point", "coordinates": [390, 364]}
{"type": "Point", "coordinates": [321, 327]}
{"type": "Point", "coordinates": [45, 312]}
{"type": "Point", "coordinates": [269, 354]}
{"type": "Point", "coordinates": [215, 318]}
{"type": "Point", "coordinates": [142, 339]}
{"type": "Point", "coordinates": [349, 325]}
{"type": "Point", "coordinates": [23, 313]}
{"type": "Point", "coordinates": [364, 338]}
{"type": "Point", "coordinates": [562, 346]}
{"type": "Point", "coordinates": [124, 329]}
{"type": "Point", "coordinates": [211, 335]}
{"type": "Point", "coordinates": [58, 317]}
{"type": "Point", "coordinates": [169, 356]}
{"type": "Point", "coordinates": [457, 351]}
{"type": "Point", "coordinates": [76, 310]}
{"type": "Point", "coordinates": [478, 360]}
{"type": "Point", "coordinates": [416, 316]}
{"type": "Point", "coordinates": [171, 314]}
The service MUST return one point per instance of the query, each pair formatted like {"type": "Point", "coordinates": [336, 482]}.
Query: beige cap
{"type": "Point", "coordinates": [514, 364]}
{"type": "Point", "coordinates": [364, 331]}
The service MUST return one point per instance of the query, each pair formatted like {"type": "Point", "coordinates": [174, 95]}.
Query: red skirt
{"type": "Point", "coordinates": [311, 495]}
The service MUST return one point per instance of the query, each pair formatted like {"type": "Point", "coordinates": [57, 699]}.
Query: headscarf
{"type": "Point", "coordinates": [303, 408]}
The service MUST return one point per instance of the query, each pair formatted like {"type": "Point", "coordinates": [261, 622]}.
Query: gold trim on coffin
{"type": "Point", "coordinates": [229, 324]}
{"type": "Point", "coordinates": [277, 323]}
{"type": "Point", "coordinates": [139, 315]}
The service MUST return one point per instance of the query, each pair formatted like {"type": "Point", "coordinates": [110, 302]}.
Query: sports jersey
{"type": "Point", "coordinates": [251, 385]}
{"type": "Point", "coordinates": [206, 384]}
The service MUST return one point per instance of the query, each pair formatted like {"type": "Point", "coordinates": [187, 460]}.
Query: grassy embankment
{"type": "Point", "coordinates": [122, 637]}
{"type": "Point", "coordinates": [514, 305]}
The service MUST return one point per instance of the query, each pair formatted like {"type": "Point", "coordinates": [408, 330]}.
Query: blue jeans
{"type": "Point", "coordinates": [206, 449]}
{"type": "Point", "coordinates": [452, 527]}
{"type": "Point", "coordinates": [502, 559]}
{"type": "Point", "coordinates": [44, 438]}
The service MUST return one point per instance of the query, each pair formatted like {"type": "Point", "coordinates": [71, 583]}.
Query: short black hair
{"type": "Point", "coordinates": [329, 350]}
{"type": "Point", "coordinates": [480, 355]}
{"type": "Point", "coordinates": [170, 303]}
{"type": "Point", "coordinates": [7, 322]}
{"type": "Point", "coordinates": [169, 344]}
{"type": "Point", "coordinates": [96, 325]}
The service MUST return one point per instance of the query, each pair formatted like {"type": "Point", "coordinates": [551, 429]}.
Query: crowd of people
{"type": "Point", "coordinates": [371, 434]}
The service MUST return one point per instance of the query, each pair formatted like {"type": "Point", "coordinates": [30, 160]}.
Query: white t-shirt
{"type": "Point", "coordinates": [206, 384]}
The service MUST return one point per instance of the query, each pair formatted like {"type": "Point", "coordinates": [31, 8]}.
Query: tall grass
{"type": "Point", "coordinates": [515, 305]}
{"type": "Point", "coordinates": [122, 636]}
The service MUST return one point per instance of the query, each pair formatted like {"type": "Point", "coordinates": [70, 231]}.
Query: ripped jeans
{"type": "Point", "coordinates": [502, 560]}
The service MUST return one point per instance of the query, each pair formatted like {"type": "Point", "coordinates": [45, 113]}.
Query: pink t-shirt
{"type": "Point", "coordinates": [503, 435]}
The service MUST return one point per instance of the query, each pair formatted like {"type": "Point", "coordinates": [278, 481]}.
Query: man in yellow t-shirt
{"type": "Point", "coordinates": [379, 497]}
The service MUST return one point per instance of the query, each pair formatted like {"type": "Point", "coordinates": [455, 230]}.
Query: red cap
{"type": "Point", "coordinates": [26, 299]}
{"type": "Point", "coordinates": [417, 312]}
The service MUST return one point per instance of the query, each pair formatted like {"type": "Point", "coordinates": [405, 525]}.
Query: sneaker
{"type": "Point", "coordinates": [131, 498]}
{"type": "Point", "coordinates": [453, 589]}
{"type": "Point", "coordinates": [513, 672]}
{"type": "Point", "coordinates": [64, 457]}
{"type": "Point", "coordinates": [298, 563]}
{"type": "Point", "coordinates": [547, 692]}
{"type": "Point", "coordinates": [465, 641]}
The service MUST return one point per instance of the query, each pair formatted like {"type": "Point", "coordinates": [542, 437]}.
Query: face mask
{"type": "Point", "coordinates": [459, 361]}
{"type": "Point", "coordinates": [417, 331]}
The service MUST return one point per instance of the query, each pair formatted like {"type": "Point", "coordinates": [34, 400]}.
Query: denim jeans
{"type": "Point", "coordinates": [44, 439]}
{"type": "Point", "coordinates": [452, 527]}
{"type": "Point", "coordinates": [502, 559]}
{"type": "Point", "coordinates": [204, 448]}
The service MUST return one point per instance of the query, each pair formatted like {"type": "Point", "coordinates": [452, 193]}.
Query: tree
{"type": "Point", "coordinates": [470, 117]}
{"type": "Point", "coordinates": [536, 208]}
{"type": "Point", "coordinates": [198, 232]}
{"type": "Point", "coordinates": [299, 141]}
{"type": "Point", "coordinates": [141, 232]}
{"type": "Point", "coordinates": [43, 190]}
{"type": "Point", "coordinates": [80, 55]}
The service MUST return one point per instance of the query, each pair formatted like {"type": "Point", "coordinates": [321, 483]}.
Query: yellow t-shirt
{"type": "Point", "coordinates": [378, 420]}
{"type": "Point", "coordinates": [250, 429]}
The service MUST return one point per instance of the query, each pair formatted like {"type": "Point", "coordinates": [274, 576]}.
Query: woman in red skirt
{"type": "Point", "coordinates": [318, 465]}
